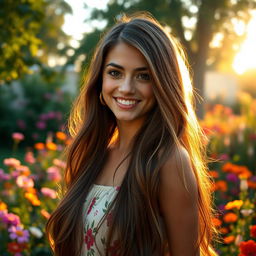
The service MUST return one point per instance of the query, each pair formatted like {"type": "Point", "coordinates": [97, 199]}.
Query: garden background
{"type": "Point", "coordinates": [45, 47]}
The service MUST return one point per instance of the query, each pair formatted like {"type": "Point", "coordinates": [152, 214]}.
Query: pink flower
{"type": "Point", "coordinates": [4, 176]}
{"type": "Point", "coordinates": [49, 192]}
{"type": "Point", "coordinates": [59, 163]}
{"type": "Point", "coordinates": [12, 162]}
{"type": "Point", "coordinates": [11, 219]}
{"type": "Point", "coordinates": [29, 158]}
{"type": "Point", "coordinates": [223, 157]}
{"type": "Point", "coordinates": [18, 136]}
{"type": "Point", "coordinates": [54, 173]}
{"type": "Point", "coordinates": [89, 239]}
{"type": "Point", "coordinates": [22, 235]}
{"type": "Point", "coordinates": [24, 182]}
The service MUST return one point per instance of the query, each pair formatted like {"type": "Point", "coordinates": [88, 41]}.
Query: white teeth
{"type": "Point", "coordinates": [126, 102]}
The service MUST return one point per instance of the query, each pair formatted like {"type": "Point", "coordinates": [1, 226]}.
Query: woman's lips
{"type": "Point", "coordinates": [126, 103]}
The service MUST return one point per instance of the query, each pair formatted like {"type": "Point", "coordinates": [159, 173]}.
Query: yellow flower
{"type": "Point", "coordinates": [3, 206]}
{"type": "Point", "coordinates": [234, 204]}
{"type": "Point", "coordinates": [51, 146]}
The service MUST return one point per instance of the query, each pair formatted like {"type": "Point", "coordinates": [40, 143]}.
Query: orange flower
{"type": "Point", "coordinates": [214, 174]}
{"type": "Point", "coordinates": [228, 239]}
{"type": "Point", "coordinates": [220, 185]}
{"type": "Point", "coordinates": [3, 206]}
{"type": "Point", "coordinates": [223, 230]}
{"type": "Point", "coordinates": [61, 135]}
{"type": "Point", "coordinates": [230, 217]}
{"type": "Point", "coordinates": [32, 198]}
{"type": "Point", "coordinates": [253, 231]}
{"type": "Point", "coordinates": [234, 204]}
{"type": "Point", "coordinates": [39, 146]}
{"type": "Point", "coordinates": [45, 214]}
{"type": "Point", "coordinates": [31, 190]}
{"type": "Point", "coordinates": [251, 184]}
{"type": "Point", "coordinates": [51, 146]}
{"type": "Point", "coordinates": [216, 222]}
{"type": "Point", "coordinates": [239, 170]}
{"type": "Point", "coordinates": [68, 141]}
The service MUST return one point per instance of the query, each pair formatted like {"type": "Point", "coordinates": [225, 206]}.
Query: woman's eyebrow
{"type": "Point", "coordinates": [120, 67]}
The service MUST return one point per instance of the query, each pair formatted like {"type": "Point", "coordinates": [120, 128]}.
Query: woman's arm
{"type": "Point", "coordinates": [179, 207]}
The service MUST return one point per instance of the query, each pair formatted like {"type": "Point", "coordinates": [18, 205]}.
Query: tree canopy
{"type": "Point", "coordinates": [196, 23]}
{"type": "Point", "coordinates": [30, 31]}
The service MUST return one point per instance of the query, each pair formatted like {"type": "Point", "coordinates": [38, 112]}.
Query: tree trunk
{"type": "Point", "coordinates": [203, 36]}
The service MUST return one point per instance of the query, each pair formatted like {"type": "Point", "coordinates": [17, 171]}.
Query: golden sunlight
{"type": "Point", "coordinates": [246, 57]}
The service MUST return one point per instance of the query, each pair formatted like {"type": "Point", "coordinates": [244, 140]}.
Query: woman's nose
{"type": "Point", "coordinates": [126, 86]}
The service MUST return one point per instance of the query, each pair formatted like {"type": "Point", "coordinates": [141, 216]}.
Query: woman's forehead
{"type": "Point", "coordinates": [126, 55]}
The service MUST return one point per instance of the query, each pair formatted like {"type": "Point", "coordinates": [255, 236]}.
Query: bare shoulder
{"type": "Point", "coordinates": [177, 173]}
{"type": "Point", "coordinates": [178, 196]}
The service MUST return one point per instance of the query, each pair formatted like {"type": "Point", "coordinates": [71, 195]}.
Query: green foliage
{"type": "Point", "coordinates": [26, 27]}
{"type": "Point", "coordinates": [43, 108]}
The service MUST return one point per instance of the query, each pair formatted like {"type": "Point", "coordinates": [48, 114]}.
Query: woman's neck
{"type": "Point", "coordinates": [126, 133]}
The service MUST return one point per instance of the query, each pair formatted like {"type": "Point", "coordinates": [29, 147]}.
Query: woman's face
{"type": "Point", "coordinates": [127, 83]}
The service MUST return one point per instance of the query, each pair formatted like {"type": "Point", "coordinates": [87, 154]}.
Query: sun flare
{"type": "Point", "coordinates": [246, 57]}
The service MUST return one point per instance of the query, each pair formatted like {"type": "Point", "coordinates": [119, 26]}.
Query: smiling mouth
{"type": "Point", "coordinates": [127, 102]}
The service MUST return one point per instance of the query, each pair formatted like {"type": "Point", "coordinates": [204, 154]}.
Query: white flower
{"type": "Point", "coordinates": [243, 185]}
{"type": "Point", "coordinates": [36, 232]}
{"type": "Point", "coordinates": [246, 212]}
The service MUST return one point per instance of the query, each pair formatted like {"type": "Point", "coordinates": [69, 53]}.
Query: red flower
{"type": "Point", "coordinates": [253, 231]}
{"type": "Point", "coordinates": [89, 239]}
{"type": "Point", "coordinates": [14, 247]}
{"type": "Point", "coordinates": [91, 205]}
{"type": "Point", "coordinates": [247, 248]}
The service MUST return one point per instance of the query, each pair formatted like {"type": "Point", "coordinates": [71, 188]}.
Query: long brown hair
{"type": "Point", "coordinates": [171, 123]}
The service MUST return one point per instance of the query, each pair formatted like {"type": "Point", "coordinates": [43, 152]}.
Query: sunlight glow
{"type": "Point", "coordinates": [246, 57]}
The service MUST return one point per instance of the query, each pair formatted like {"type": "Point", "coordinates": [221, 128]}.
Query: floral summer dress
{"type": "Point", "coordinates": [95, 207]}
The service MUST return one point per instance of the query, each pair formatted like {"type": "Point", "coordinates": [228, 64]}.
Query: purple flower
{"type": "Point", "coordinates": [232, 177]}
{"type": "Point", "coordinates": [41, 125]}
{"type": "Point", "coordinates": [22, 235]}
{"type": "Point", "coordinates": [11, 219]}
{"type": "Point", "coordinates": [253, 178]}
{"type": "Point", "coordinates": [221, 207]}
{"type": "Point", "coordinates": [51, 115]}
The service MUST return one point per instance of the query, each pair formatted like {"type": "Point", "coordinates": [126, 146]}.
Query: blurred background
{"type": "Point", "coordinates": [45, 50]}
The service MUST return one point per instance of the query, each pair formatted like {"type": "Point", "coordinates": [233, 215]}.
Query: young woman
{"type": "Point", "coordinates": [136, 177]}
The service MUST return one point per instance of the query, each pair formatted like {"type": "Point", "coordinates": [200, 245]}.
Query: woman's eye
{"type": "Point", "coordinates": [143, 76]}
{"type": "Point", "coordinates": [114, 73]}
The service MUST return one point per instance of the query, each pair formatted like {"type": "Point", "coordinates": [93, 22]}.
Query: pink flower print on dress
{"type": "Point", "coordinates": [91, 205]}
{"type": "Point", "coordinates": [95, 213]}
{"type": "Point", "coordinates": [109, 219]}
{"type": "Point", "coordinates": [89, 239]}
{"type": "Point", "coordinates": [117, 188]}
